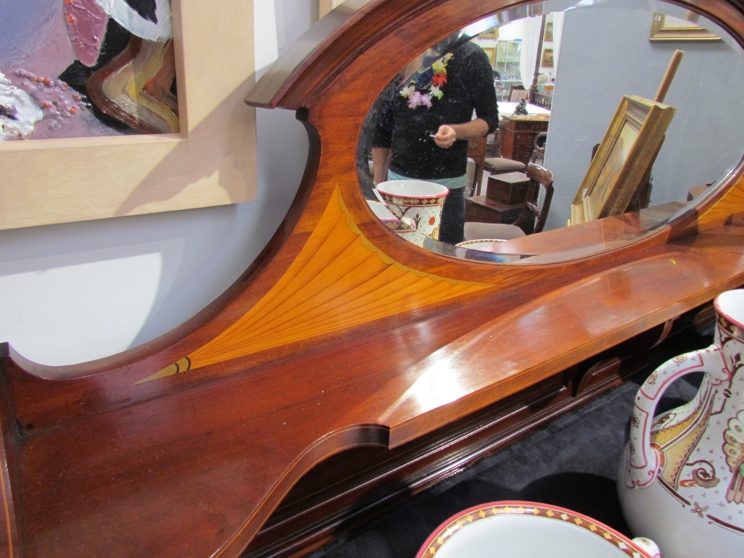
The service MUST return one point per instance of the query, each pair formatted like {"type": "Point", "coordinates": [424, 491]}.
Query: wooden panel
{"type": "Point", "coordinates": [62, 180]}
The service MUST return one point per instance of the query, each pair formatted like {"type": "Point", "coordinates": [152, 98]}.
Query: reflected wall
{"type": "Point", "coordinates": [606, 52]}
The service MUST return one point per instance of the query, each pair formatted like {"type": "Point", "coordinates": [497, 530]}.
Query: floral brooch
{"type": "Point", "coordinates": [417, 98]}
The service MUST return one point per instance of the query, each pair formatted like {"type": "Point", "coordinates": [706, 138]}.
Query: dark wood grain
{"type": "Point", "coordinates": [340, 336]}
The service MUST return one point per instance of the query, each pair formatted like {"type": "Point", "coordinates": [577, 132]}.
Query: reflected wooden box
{"type": "Point", "coordinates": [509, 188]}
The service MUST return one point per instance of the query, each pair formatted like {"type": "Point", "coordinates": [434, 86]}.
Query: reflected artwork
{"type": "Point", "coordinates": [650, 173]}
{"type": "Point", "coordinates": [81, 68]}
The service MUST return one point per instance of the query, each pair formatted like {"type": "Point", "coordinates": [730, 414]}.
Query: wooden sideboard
{"type": "Point", "coordinates": [517, 135]}
{"type": "Point", "coordinates": [342, 341]}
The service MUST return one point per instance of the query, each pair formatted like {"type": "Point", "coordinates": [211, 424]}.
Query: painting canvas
{"type": "Point", "coordinates": [548, 37]}
{"type": "Point", "coordinates": [623, 160]}
{"type": "Point", "coordinates": [81, 68]}
{"type": "Point", "coordinates": [547, 58]}
{"type": "Point", "coordinates": [615, 161]}
{"type": "Point", "coordinates": [127, 107]}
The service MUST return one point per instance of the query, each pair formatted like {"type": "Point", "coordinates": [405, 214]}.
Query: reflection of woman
{"type": "Point", "coordinates": [424, 124]}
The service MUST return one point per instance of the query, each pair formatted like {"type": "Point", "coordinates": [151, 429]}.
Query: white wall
{"type": "Point", "coordinates": [605, 53]}
{"type": "Point", "coordinates": [75, 292]}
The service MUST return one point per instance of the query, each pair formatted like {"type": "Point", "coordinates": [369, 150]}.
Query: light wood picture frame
{"type": "Point", "coordinates": [666, 28]}
{"type": "Point", "coordinates": [325, 6]}
{"type": "Point", "coordinates": [212, 161]}
{"type": "Point", "coordinates": [491, 53]}
{"type": "Point", "coordinates": [623, 160]}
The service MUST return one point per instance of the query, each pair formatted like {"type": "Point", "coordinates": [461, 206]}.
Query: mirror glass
{"type": "Point", "coordinates": [581, 74]}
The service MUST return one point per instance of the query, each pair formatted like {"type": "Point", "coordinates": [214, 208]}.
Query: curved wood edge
{"type": "Point", "coordinates": [157, 352]}
{"type": "Point", "coordinates": [10, 541]}
{"type": "Point", "coordinates": [356, 436]}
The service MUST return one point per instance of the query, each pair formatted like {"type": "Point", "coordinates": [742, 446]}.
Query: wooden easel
{"type": "Point", "coordinates": [641, 196]}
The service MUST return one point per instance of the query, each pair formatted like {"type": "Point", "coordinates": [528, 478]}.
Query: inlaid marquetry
{"type": "Point", "coordinates": [338, 281]}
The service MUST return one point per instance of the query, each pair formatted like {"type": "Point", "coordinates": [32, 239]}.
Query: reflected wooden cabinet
{"type": "Point", "coordinates": [517, 135]}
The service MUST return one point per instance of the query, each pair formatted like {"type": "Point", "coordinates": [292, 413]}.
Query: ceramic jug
{"type": "Point", "coordinates": [681, 478]}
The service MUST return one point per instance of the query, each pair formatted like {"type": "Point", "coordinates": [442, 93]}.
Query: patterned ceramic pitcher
{"type": "Point", "coordinates": [681, 479]}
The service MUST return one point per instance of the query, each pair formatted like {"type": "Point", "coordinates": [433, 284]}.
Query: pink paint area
{"type": "Point", "coordinates": [86, 25]}
{"type": "Point", "coordinates": [36, 39]}
{"type": "Point", "coordinates": [65, 113]}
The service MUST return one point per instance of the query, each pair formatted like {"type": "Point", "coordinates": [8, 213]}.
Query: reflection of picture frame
{"type": "Point", "coordinates": [624, 159]}
{"type": "Point", "coordinates": [665, 28]}
{"type": "Point", "coordinates": [547, 58]}
{"type": "Point", "coordinates": [325, 6]}
{"type": "Point", "coordinates": [490, 34]}
{"type": "Point", "coordinates": [491, 52]}
{"type": "Point", "coordinates": [212, 161]}
{"type": "Point", "coordinates": [548, 36]}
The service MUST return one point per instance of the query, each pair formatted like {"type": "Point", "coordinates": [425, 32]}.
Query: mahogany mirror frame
{"type": "Point", "coordinates": [339, 336]}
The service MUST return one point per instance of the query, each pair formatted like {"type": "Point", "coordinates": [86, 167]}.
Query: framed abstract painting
{"type": "Point", "coordinates": [122, 107]}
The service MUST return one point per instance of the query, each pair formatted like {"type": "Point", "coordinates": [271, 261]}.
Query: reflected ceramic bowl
{"type": "Point", "coordinates": [482, 244]}
{"type": "Point", "coordinates": [514, 528]}
{"type": "Point", "coordinates": [415, 201]}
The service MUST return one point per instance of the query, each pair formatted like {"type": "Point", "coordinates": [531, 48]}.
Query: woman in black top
{"type": "Point", "coordinates": [423, 127]}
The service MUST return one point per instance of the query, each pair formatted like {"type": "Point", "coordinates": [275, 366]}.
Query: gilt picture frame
{"type": "Point", "coordinates": [211, 161]}
{"type": "Point", "coordinates": [666, 28]}
{"type": "Point", "coordinates": [623, 160]}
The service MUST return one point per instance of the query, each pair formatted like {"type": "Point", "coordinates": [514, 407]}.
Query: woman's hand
{"type": "Point", "coordinates": [445, 136]}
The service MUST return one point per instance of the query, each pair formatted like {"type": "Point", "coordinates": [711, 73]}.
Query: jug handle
{"type": "Point", "coordinates": [642, 464]}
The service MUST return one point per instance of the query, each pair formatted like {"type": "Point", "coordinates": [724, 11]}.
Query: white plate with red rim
{"type": "Point", "coordinates": [482, 244]}
{"type": "Point", "coordinates": [512, 529]}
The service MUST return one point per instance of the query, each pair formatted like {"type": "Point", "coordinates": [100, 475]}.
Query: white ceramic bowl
{"type": "Point", "coordinates": [482, 244]}
{"type": "Point", "coordinates": [526, 529]}
{"type": "Point", "coordinates": [415, 202]}
{"type": "Point", "coordinates": [414, 189]}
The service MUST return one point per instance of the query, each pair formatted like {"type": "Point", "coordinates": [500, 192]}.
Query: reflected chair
{"type": "Point", "coordinates": [518, 93]}
{"type": "Point", "coordinates": [492, 165]}
{"type": "Point", "coordinates": [539, 196]}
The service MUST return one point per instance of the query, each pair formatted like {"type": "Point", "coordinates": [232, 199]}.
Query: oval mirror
{"type": "Point", "coordinates": [614, 116]}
